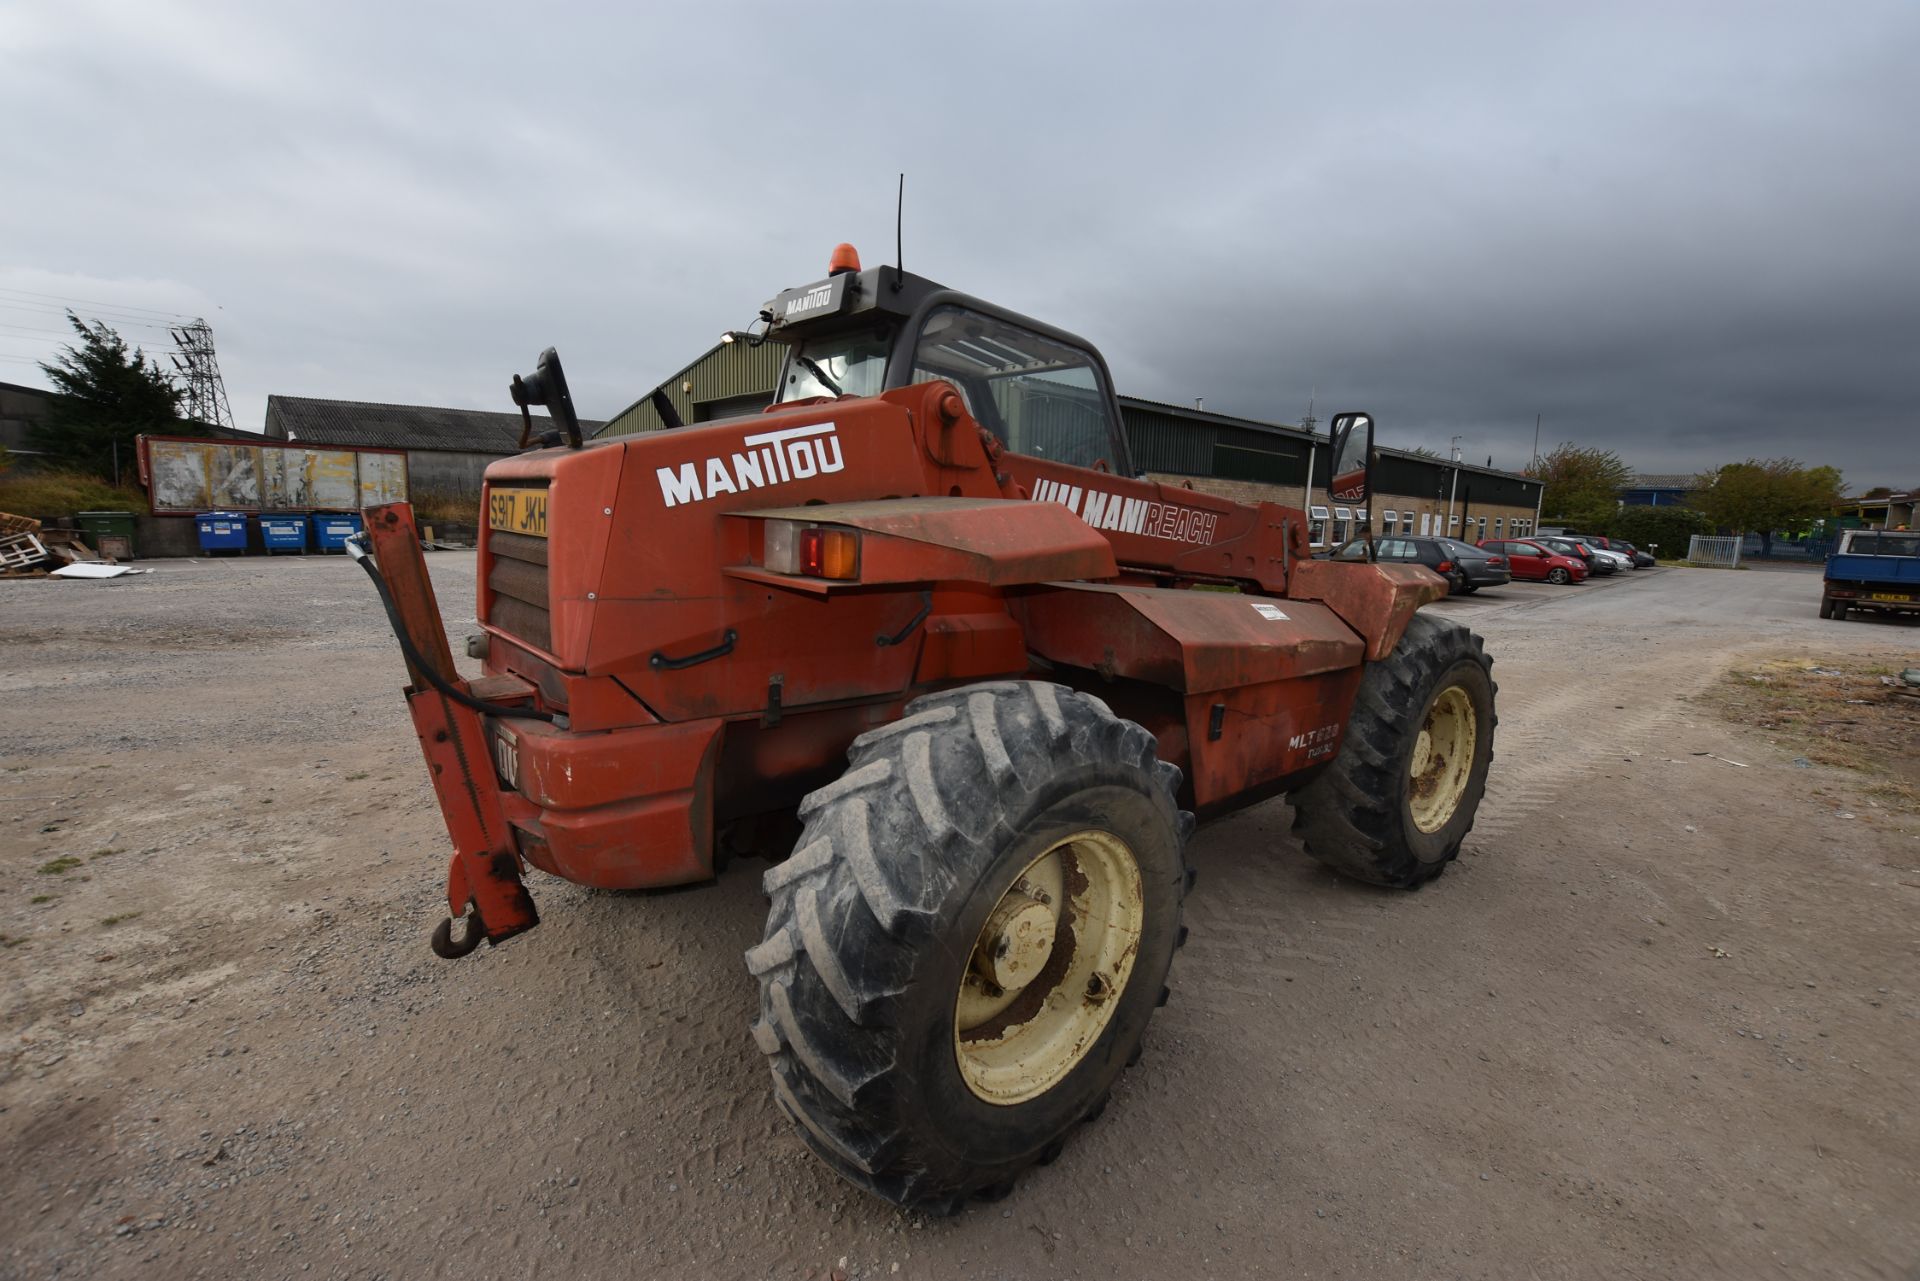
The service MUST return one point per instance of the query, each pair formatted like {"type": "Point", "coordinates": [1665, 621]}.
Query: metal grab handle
{"type": "Point", "coordinates": [661, 661]}
{"type": "Point", "coordinates": [926, 607]}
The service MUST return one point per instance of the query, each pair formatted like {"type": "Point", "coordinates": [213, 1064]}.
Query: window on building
{"type": "Point", "coordinates": [1453, 523]}
{"type": "Point", "coordinates": [1389, 522]}
{"type": "Point", "coordinates": [1483, 527]}
{"type": "Point", "coordinates": [1406, 522]}
{"type": "Point", "coordinates": [1360, 526]}
{"type": "Point", "coordinates": [1342, 522]}
{"type": "Point", "coordinates": [1317, 526]}
{"type": "Point", "coordinates": [1497, 520]}
{"type": "Point", "coordinates": [1426, 523]}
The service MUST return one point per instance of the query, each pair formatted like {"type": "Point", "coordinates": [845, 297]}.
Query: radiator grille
{"type": "Point", "coordinates": [518, 580]}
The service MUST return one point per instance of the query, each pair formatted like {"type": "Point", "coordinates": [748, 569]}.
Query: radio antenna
{"type": "Point", "coordinates": [899, 254]}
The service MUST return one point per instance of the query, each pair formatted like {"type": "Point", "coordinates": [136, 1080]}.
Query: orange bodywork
{"type": "Point", "coordinates": [697, 683]}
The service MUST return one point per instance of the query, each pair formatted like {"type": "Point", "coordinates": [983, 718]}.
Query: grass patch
{"type": "Point", "coordinates": [105, 853]}
{"type": "Point", "coordinates": [59, 866]}
{"type": "Point", "coordinates": [111, 921]}
{"type": "Point", "coordinates": [355, 778]}
{"type": "Point", "coordinates": [46, 495]}
{"type": "Point", "coordinates": [6, 941]}
{"type": "Point", "coordinates": [1838, 713]}
{"type": "Point", "coordinates": [42, 898]}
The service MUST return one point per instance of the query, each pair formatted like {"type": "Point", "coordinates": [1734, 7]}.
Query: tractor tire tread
{"type": "Point", "coordinates": [1350, 818]}
{"type": "Point", "coordinates": [843, 924]}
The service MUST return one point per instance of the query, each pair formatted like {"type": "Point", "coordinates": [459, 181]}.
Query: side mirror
{"type": "Point", "coordinates": [546, 387]}
{"type": "Point", "coordinates": [1350, 455]}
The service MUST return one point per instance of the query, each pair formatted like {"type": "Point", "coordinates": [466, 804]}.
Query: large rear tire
{"type": "Point", "coordinates": [966, 947]}
{"type": "Point", "coordinates": [1395, 804]}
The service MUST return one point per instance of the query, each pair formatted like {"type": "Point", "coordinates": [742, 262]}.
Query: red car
{"type": "Point", "coordinates": [1531, 561]}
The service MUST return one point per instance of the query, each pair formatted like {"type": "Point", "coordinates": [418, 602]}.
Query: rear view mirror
{"type": "Point", "coordinates": [1352, 451]}
{"type": "Point", "coordinates": [547, 387]}
{"type": "Point", "coordinates": [1350, 454]}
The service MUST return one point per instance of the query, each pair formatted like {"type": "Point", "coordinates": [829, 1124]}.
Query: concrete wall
{"type": "Point", "coordinates": [156, 536]}
{"type": "Point", "coordinates": [447, 471]}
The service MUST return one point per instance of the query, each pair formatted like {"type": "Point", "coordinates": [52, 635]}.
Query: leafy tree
{"type": "Point", "coordinates": [108, 395]}
{"type": "Point", "coordinates": [1582, 484]}
{"type": "Point", "coordinates": [1766, 498]}
{"type": "Point", "coordinates": [1663, 531]}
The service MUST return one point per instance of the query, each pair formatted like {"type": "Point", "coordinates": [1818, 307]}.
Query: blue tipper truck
{"type": "Point", "coordinates": [1873, 569]}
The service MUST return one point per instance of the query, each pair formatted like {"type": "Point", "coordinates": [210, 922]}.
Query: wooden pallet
{"type": "Point", "coordinates": [21, 551]}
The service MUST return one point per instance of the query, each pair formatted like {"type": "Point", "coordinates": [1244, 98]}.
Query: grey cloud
{"type": "Point", "coordinates": [1682, 231]}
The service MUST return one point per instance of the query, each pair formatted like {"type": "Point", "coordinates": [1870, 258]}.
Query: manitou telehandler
{"type": "Point", "coordinates": [924, 605]}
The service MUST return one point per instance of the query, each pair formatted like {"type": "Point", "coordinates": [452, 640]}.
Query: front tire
{"type": "Point", "coordinates": [966, 947]}
{"type": "Point", "coordinates": [1396, 803]}
{"type": "Point", "coordinates": [1558, 576]}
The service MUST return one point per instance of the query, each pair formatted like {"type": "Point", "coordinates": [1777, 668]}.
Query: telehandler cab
{"type": "Point", "coordinates": [924, 604]}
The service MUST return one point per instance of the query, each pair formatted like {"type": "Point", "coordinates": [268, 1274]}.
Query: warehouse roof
{"type": "Point", "coordinates": [1659, 480]}
{"type": "Point", "coordinates": [1448, 464]}
{"type": "Point", "coordinates": [1188, 413]}
{"type": "Point", "coordinates": [356, 422]}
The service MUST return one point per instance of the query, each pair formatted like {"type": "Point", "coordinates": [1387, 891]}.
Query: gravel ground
{"type": "Point", "coordinates": [1660, 1020]}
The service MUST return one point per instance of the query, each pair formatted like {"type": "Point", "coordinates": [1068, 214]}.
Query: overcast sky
{"type": "Point", "coordinates": [1688, 232]}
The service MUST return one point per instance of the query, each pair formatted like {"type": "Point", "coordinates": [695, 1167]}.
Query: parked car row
{"type": "Point", "coordinates": [1494, 562]}
{"type": "Point", "coordinates": [1568, 558]}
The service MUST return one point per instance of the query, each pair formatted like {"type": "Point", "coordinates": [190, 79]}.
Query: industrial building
{"type": "Point", "coordinates": [1656, 490]}
{"type": "Point", "coordinates": [447, 449]}
{"type": "Point", "coordinates": [1239, 458]}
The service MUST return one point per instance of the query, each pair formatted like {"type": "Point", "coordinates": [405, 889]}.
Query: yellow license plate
{"type": "Point", "coordinates": [518, 511]}
{"type": "Point", "coordinates": [1893, 596]}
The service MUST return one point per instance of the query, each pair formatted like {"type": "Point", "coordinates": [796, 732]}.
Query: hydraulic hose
{"type": "Point", "coordinates": [357, 548]}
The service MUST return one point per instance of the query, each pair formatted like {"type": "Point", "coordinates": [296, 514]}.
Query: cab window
{"type": "Point", "coordinates": [1041, 397]}
{"type": "Point", "coordinates": [847, 364]}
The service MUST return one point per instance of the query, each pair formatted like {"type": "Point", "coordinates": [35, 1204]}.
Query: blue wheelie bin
{"type": "Point", "coordinates": [283, 533]}
{"type": "Point", "coordinates": [222, 532]}
{"type": "Point", "coordinates": [331, 530]}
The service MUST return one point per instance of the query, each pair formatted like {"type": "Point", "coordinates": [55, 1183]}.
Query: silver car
{"type": "Point", "coordinates": [1619, 560]}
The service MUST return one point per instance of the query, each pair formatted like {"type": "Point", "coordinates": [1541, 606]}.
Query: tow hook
{"type": "Point", "coordinates": [443, 943]}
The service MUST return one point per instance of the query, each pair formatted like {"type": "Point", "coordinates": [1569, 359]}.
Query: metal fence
{"type": "Point", "coordinates": [1721, 553]}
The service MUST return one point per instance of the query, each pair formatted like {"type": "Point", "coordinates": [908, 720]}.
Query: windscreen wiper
{"type": "Point", "coordinates": [812, 366]}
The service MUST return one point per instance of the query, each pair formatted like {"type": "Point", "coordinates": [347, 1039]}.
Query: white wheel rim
{"type": "Point", "coordinates": [1049, 966]}
{"type": "Point", "coordinates": [1442, 759]}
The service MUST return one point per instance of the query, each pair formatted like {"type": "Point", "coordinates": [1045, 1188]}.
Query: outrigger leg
{"type": "Point", "coordinates": [483, 879]}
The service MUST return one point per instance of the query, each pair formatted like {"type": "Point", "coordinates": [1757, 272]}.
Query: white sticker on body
{"type": "Point", "coordinates": [1269, 612]}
